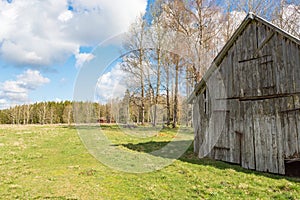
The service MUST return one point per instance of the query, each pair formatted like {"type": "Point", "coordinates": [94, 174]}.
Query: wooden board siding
{"type": "Point", "coordinates": [254, 102]}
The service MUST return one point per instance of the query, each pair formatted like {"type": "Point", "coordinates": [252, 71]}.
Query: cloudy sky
{"type": "Point", "coordinates": [43, 44]}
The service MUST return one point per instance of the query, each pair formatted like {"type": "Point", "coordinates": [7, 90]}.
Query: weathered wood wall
{"type": "Point", "coordinates": [256, 121]}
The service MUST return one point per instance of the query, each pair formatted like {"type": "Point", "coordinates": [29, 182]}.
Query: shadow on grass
{"type": "Point", "coordinates": [190, 157]}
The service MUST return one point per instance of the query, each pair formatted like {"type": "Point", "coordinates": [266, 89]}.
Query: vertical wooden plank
{"type": "Point", "coordinates": [273, 158]}
{"type": "Point", "coordinates": [289, 69]}
{"type": "Point", "coordinates": [259, 78]}
{"type": "Point", "coordinates": [236, 68]}
{"type": "Point", "coordinates": [258, 136]}
{"type": "Point", "coordinates": [239, 134]}
{"type": "Point", "coordinates": [232, 135]}
{"type": "Point", "coordinates": [266, 134]}
{"type": "Point", "coordinates": [248, 157]}
{"type": "Point", "coordinates": [280, 137]}
{"type": "Point", "coordinates": [233, 127]}
{"type": "Point", "coordinates": [292, 128]}
{"type": "Point", "coordinates": [296, 54]}
{"type": "Point", "coordinates": [279, 64]}
{"type": "Point", "coordinates": [261, 32]}
{"type": "Point", "coordinates": [256, 79]}
{"type": "Point", "coordinates": [297, 116]}
{"type": "Point", "coordinates": [284, 79]}
{"type": "Point", "coordinates": [246, 48]}
{"type": "Point", "coordinates": [241, 71]}
{"type": "Point", "coordinates": [296, 66]}
{"type": "Point", "coordinates": [196, 123]}
{"type": "Point", "coordinates": [284, 127]}
{"type": "Point", "coordinates": [292, 66]}
{"type": "Point", "coordinates": [242, 122]}
{"type": "Point", "coordinates": [228, 74]}
{"type": "Point", "coordinates": [227, 138]}
{"type": "Point", "coordinates": [272, 65]}
{"type": "Point", "coordinates": [250, 48]}
{"type": "Point", "coordinates": [276, 61]}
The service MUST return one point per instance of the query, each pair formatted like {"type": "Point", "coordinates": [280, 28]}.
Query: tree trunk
{"type": "Point", "coordinates": [157, 87]}
{"type": "Point", "coordinates": [168, 96]}
{"type": "Point", "coordinates": [175, 117]}
{"type": "Point", "coordinates": [27, 114]}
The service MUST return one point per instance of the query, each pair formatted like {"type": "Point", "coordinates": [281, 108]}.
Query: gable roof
{"type": "Point", "coordinates": [219, 58]}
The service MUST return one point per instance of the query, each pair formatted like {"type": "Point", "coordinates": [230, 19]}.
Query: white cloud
{"type": "Point", "coordinates": [32, 79]}
{"type": "Point", "coordinates": [41, 33]}
{"type": "Point", "coordinates": [3, 101]}
{"type": "Point", "coordinates": [81, 58]}
{"type": "Point", "coordinates": [16, 91]}
{"type": "Point", "coordinates": [112, 84]}
{"type": "Point", "coordinates": [65, 16]}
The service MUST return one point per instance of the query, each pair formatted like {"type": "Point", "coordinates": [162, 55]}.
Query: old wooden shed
{"type": "Point", "coordinates": [246, 109]}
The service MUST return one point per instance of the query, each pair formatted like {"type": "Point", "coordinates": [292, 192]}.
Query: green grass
{"type": "Point", "coordinates": [50, 162]}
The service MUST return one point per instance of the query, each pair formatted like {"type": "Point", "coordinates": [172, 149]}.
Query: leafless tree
{"type": "Point", "coordinates": [287, 16]}
{"type": "Point", "coordinates": [134, 64]}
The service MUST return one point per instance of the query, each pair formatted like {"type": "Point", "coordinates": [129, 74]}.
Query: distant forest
{"type": "Point", "coordinates": [43, 113]}
{"type": "Point", "coordinates": [123, 111]}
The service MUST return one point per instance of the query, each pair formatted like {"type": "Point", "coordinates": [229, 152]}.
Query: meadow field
{"type": "Point", "coordinates": [51, 162]}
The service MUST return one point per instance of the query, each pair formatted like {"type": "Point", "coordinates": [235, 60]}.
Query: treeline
{"type": "Point", "coordinates": [54, 113]}
{"type": "Point", "coordinates": [119, 110]}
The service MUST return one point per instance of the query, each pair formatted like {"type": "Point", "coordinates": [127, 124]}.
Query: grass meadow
{"type": "Point", "coordinates": [51, 162]}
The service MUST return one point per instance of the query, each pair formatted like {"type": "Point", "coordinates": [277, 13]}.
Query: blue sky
{"type": "Point", "coordinates": [43, 44]}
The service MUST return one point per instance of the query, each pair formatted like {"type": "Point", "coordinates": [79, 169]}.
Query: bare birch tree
{"type": "Point", "coordinates": [134, 61]}
{"type": "Point", "coordinates": [287, 16]}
